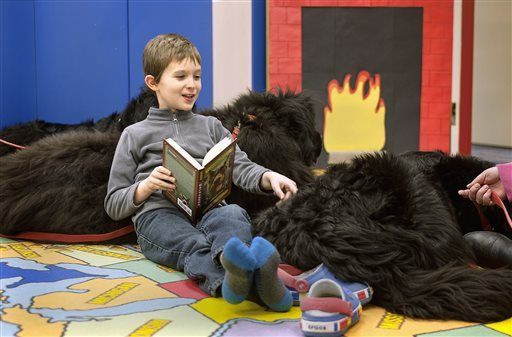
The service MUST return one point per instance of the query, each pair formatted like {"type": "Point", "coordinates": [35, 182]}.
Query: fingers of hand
{"type": "Point", "coordinates": [291, 186]}
{"type": "Point", "coordinates": [161, 179]}
{"type": "Point", "coordinates": [473, 191]}
{"type": "Point", "coordinates": [487, 198]}
{"type": "Point", "coordinates": [162, 169]}
{"type": "Point", "coordinates": [158, 184]}
{"type": "Point", "coordinates": [278, 192]}
{"type": "Point", "coordinates": [162, 173]}
{"type": "Point", "coordinates": [287, 195]}
{"type": "Point", "coordinates": [286, 189]}
{"type": "Point", "coordinates": [464, 193]}
{"type": "Point", "coordinates": [483, 195]}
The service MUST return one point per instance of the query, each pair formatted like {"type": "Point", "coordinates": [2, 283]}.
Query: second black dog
{"type": "Point", "coordinates": [396, 222]}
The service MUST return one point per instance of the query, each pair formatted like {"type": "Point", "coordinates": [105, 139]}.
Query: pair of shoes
{"type": "Point", "coordinates": [299, 282]}
{"type": "Point", "coordinates": [331, 305]}
{"type": "Point", "coordinates": [328, 310]}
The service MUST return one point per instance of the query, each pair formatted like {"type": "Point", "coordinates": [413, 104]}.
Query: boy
{"type": "Point", "coordinates": [216, 251]}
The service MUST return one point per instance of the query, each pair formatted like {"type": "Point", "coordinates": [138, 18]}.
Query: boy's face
{"type": "Point", "coordinates": [179, 85]}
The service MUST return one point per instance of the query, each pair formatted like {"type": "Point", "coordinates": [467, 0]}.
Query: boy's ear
{"type": "Point", "coordinates": [150, 82]}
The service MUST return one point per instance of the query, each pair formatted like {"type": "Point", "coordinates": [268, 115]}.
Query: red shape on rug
{"type": "Point", "coordinates": [186, 288]}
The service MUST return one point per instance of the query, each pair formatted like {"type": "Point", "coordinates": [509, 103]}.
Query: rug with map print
{"type": "Point", "coordinates": [112, 290]}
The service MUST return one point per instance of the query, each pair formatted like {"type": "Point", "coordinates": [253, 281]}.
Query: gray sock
{"type": "Point", "coordinates": [239, 264]}
{"type": "Point", "coordinates": [270, 288]}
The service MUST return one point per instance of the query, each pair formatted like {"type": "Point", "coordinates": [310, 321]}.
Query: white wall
{"type": "Point", "coordinates": [232, 49]}
{"type": "Point", "coordinates": [492, 74]}
{"type": "Point", "coordinates": [456, 63]}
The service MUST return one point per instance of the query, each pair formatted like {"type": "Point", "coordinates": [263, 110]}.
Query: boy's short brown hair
{"type": "Point", "coordinates": [164, 49]}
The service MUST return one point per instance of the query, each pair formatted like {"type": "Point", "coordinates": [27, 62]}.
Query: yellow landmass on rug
{"type": "Point", "coordinates": [220, 311]}
{"type": "Point", "coordinates": [504, 326]}
{"type": "Point", "coordinates": [103, 293]}
{"type": "Point", "coordinates": [32, 324]}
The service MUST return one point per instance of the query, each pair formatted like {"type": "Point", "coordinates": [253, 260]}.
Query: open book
{"type": "Point", "coordinates": [199, 187]}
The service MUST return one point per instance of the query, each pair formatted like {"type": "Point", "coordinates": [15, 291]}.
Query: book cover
{"type": "Point", "coordinates": [199, 188]}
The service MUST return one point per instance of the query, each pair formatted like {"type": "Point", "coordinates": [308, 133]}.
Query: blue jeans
{"type": "Point", "coordinates": [168, 238]}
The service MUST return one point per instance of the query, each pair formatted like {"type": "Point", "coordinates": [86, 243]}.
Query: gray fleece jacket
{"type": "Point", "coordinates": [139, 151]}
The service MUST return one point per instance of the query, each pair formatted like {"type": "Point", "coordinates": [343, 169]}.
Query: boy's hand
{"type": "Point", "coordinates": [159, 179]}
{"type": "Point", "coordinates": [282, 186]}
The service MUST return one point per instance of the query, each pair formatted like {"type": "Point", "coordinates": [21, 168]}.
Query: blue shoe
{"type": "Point", "coordinates": [300, 282]}
{"type": "Point", "coordinates": [328, 310]}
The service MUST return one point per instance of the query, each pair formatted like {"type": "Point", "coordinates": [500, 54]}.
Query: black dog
{"type": "Point", "coordinates": [276, 131]}
{"type": "Point", "coordinates": [58, 183]}
{"type": "Point", "coordinates": [396, 222]}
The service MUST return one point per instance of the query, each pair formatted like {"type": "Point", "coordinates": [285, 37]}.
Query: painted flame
{"type": "Point", "coordinates": [354, 120]}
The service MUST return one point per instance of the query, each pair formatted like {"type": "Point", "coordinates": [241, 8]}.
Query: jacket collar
{"type": "Point", "coordinates": [166, 115]}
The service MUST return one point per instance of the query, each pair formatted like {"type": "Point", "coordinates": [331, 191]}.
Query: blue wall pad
{"type": "Point", "coordinates": [17, 62]}
{"type": "Point", "coordinates": [192, 19]}
{"type": "Point", "coordinates": [259, 46]}
{"type": "Point", "coordinates": [82, 59]}
{"type": "Point", "coordinates": [70, 61]}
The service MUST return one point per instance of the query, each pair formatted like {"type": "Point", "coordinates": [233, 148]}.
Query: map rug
{"type": "Point", "coordinates": [112, 290]}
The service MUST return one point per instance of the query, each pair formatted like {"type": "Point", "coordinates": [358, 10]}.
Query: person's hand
{"type": "Point", "coordinates": [479, 190]}
{"type": "Point", "coordinates": [282, 186]}
{"type": "Point", "coordinates": [159, 179]}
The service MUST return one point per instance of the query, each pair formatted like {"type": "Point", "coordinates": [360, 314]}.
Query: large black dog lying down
{"type": "Point", "coordinates": [392, 221]}
{"type": "Point", "coordinates": [395, 222]}
{"type": "Point", "coordinates": [58, 183]}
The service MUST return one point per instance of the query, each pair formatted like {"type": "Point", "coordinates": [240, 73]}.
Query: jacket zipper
{"type": "Point", "coordinates": [176, 128]}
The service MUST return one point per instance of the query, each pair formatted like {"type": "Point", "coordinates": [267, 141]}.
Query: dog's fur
{"type": "Point", "coordinates": [278, 132]}
{"type": "Point", "coordinates": [395, 222]}
{"type": "Point", "coordinates": [392, 221]}
{"type": "Point", "coordinates": [58, 183]}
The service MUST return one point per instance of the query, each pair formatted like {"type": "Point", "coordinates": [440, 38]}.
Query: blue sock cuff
{"type": "Point", "coordinates": [230, 296]}
{"type": "Point", "coordinates": [285, 303]}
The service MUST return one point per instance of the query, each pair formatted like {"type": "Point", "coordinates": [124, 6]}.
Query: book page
{"type": "Point", "coordinates": [218, 177]}
{"type": "Point", "coordinates": [185, 154]}
{"type": "Point", "coordinates": [216, 149]}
